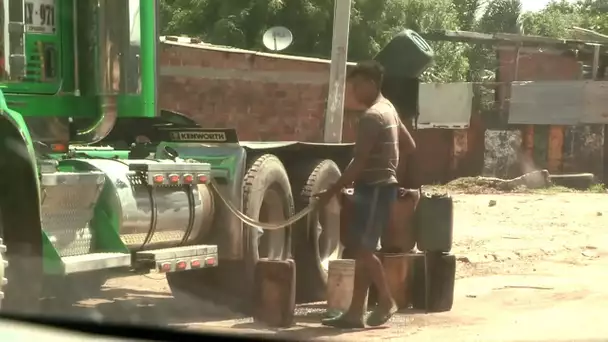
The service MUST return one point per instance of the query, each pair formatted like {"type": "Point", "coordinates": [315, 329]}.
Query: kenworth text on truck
{"type": "Point", "coordinates": [98, 181]}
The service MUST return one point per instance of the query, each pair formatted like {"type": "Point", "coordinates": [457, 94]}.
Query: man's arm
{"type": "Point", "coordinates": [368, 129]}
{"type": "Point", "coordinates": [407, 145]}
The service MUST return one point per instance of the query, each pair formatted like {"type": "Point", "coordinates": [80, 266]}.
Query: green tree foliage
{"type": "Point", "coordinates": [501, 16]}
{"type": "Point", "coordinates": [557, 19]}
{"type": "Point", "coordinates": [593, 15]}
{"type": "Point", "coordinates": [241, 23]}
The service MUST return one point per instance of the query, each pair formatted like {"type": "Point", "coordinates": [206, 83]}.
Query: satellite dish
{"type": "Point", "coordinates": [277, 38]}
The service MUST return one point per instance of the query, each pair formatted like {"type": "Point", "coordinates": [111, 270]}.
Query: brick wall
{"type": "Point", "coordinates": [268, 97]}
{"type": "Point", "coordinates": [264, 97]}
{"type": "Point", "coordinates": [538, 65]}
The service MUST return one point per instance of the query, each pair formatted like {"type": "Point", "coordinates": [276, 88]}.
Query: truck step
{"type": "Point", "coordinates": [94, 262]}
{"type": "Point", "coordinates": [178, 258]}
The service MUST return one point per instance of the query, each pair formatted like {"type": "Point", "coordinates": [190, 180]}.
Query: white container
{"type": "Point", "coordinates": [340, 283]}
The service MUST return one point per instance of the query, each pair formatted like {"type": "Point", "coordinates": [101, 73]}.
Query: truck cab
{"type": "Point", "coordinates": [70, 70]}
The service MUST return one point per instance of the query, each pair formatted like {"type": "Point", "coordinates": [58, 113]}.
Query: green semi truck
{"type": "Point", "coordinates": [98, 181]}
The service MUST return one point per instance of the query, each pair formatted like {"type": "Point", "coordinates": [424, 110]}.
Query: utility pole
{"type": "Point", "coordinates": [596, 61]}
{"type": "Point", "coordinates": [334, 114]}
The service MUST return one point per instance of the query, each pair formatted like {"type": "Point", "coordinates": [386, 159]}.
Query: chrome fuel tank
{"type": "Point", "coordinates": [152, 217]}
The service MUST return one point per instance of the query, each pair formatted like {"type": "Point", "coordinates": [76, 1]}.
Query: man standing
{"type": "Point", "coordinates": [381, 140]}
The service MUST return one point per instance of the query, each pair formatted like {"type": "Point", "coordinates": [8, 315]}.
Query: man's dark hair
{"type": "Point", "coordinates": [370, 70]}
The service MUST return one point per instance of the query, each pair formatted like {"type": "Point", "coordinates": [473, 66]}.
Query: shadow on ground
{"type": "Point", "coordinates": [117, 305]}
{"type": "Point", "coordinates": [142, 307]}
{"type": "Point", "coordinates": [306, 326]}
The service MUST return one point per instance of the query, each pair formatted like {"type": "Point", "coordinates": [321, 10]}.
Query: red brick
{"type": "Point", "coordinates": [258, 110]}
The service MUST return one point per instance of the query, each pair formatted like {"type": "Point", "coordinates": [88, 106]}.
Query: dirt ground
{"type": "Point", "coordinates": [532, 267]}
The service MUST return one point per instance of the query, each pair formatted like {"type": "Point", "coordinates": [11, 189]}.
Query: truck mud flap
{"type": "Point", "coordinates": [177, 258]}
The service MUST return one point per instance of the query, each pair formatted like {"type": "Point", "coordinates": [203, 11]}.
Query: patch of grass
{"type": "Point", "coordinates": [468, 185]}
{"type": "Point", "coordinates": [598, 188]}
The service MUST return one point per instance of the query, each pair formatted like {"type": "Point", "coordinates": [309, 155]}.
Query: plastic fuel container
{"type": "Point", "coordinates": [434, 223]}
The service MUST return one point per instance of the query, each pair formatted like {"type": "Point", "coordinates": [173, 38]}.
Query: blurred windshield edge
{"type": "Point", "coordinates": [19, 328]}
{"type": "Point", "coordinates": [13, 331]}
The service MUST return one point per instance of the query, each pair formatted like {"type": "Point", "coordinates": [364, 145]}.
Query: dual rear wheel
{"type": "Point", "coordinates": [271, 194]}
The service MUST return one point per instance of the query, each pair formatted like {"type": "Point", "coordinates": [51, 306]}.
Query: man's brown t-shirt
{"type": "Point", "coordinates": [381, 122]}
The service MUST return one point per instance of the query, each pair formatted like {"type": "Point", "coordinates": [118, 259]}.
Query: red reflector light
{"type": "Point", "coordinates": [166, 267]}
{"type": "Point", "coordinates": [210, 261]}
{"type": "Point", "coordinates": [195, 263]}
{"type": "Point", "coordinates": [188, 179]}
{"type": "Point", "coordinates": [174, 178]}
{"type": "Point", "coordinates": [202, 178]}
{"type": "Point", "coordinates": [59, 148]}
{"type": "Point", "coordinates": [181, 265]}
{"type": "Point", "coordinates": [159, 179]}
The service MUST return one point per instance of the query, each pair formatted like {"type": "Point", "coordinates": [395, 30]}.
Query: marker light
{"type": "Point", "coordinates": [188, 179]}
{"type": "Point", "coordinates": [174, 179]}
{"type": "Point", "coordinates": [59, 148]}
{"type": "Point", "coordinates": [166, 267]}
{"type": "Point", "coordinates": [202, 178]}
{"type": "Point", "coordinates": [210, 261]}
{"type": "Point", "coordinates": [159, 179]}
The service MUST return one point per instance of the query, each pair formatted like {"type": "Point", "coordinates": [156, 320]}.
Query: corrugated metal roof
{"type": "Point", "coordinates": [546, 103]}
{"type": "Point", "coordinates": [595, 103]}
{"type": "Point", "coordinates": [509, 39]}
{"type": "Point", "coordinates": [559, 103]}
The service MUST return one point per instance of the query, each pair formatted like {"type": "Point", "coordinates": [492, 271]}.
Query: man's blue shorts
{"type": "Point", "coordinates": [371, 216]}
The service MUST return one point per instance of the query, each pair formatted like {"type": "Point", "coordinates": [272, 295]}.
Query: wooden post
{"type": "Point", "coordinates": [596, 61]}
{"type": "Point", "coordinates": [528, 147]}
{"type": "Point", "coordinates": [555, 153]}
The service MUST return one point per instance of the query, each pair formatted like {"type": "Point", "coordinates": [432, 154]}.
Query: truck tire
{"type": "Point", "coordinates": [317, 238]}
{"type": "Point", "coordinates": [266, 197]}
{"type": "Point", "coordinates": [22, 260]}
{"type": "Point", "coordinates": [3, 265]}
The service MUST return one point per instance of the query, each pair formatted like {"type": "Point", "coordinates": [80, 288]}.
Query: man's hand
{"type": "Point", "coordinates": [324, 196]}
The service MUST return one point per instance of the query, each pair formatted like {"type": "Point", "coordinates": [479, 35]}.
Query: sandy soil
{"type": "Point", "coordinates": [531, 268]}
